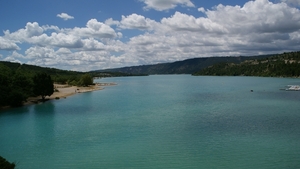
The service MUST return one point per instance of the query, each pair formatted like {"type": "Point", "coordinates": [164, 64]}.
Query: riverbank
{"type": "Point", "coordinates": [64, 91]}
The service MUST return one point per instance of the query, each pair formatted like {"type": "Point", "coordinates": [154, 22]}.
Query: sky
{"type": "Point", "coordinates": [86, 35]}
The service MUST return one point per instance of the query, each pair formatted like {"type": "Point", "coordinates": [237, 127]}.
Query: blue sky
{"type": "Point", "coordinates": [97, 34]}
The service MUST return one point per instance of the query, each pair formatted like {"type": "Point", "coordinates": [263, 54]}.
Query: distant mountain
{"type": "Point", "coordinates": [188, 66]}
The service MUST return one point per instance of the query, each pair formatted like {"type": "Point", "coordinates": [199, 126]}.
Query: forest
{"type": "Point", "coordinates": [20, 81]}
{"type": "Point", "coordinates": [279, 65]}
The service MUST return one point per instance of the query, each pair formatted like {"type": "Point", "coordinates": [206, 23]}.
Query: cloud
{"type": "Point", "coordinates": [17, 55]}
{"type": "Point", "coordinates": [111, 22]}
{"type": "Point", "coordinates": [65, 16]}
{"type": "Point", "coordinates": [92, 44]}
{"type": "Point", "coordinates": [66, 59]}
{"type": "Point", "coordinates": [201, 10]}
{"type": "Point", "coordinates": [67, 38]}
{"type": "Point", "coordinates": [93, 29]}
{"type": "Point", "coordinates": [51, 27]}
{"type": "Point", "coordinates": [64, 51]}
{"type": "Point", "coordinates": [135, 21]}
{"type": "Point", "coordinates": [257, 27]}
{"type": "Point", "coordinates": [292, 2]}
{"type": "Point", "coordinates": [260, 16]}
{"type": "Point", "coordinates": [38, 52]}
{"type": "Point", "coordinates": [12, 59]}
{"type": "Point", "coordinates": [6, 44]}
{"type": "Point", "coordinates": [31, 29]}
{"type": "Point", "coordinates": [161, 5]}
{"type": "Point", "coordinates": [184, 22]}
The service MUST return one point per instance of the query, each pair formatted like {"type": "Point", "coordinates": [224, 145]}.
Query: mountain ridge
{"type": "Point", "coordinates": [280, 65]}
{"type": "Point", "coordinates": [187, 66]}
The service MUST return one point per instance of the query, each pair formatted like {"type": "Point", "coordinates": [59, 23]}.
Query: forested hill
{"type": "Point", "coordinates": [25, 68]}
{"type": "Point", "coordinates": [188, 66]}
{"type": "Point", "coordinates": [58, 75]}
{"type": "Point", "coordinates": [280, 65]}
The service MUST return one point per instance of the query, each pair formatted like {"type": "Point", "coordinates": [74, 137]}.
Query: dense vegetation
{"type": "Point", "coordinates": [18, 82]}
{"type": "Point", "coordinates": [15, 86]}
{"type": "Point", "coordinates": [4, 164]}
{"type": "Point", "coordinates": [42, 85]}
{"type": "Point", "coordinates": [188, 66]}
{"type": "Point", "coordinates": [280, 65]}
{"type": "Point", "coordinates": [57, 75]}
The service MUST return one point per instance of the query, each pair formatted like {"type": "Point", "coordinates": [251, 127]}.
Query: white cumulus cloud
{"type": "Point", "coordinates": [257, 27]}
{"type": "Point", "coordinates": [161, 5]}
{"type": "Point", "coordinates": [65, 16]}
{"type": "Point", "coordinates": [94, 29]}
{"type": "Point", "coordinates": [135, 21]}
{"type": "Point", "coordinates": [31, 29]}
{"type": "Point", "coordinates": [6, 44]}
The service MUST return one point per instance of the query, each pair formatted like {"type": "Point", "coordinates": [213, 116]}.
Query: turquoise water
{"type": "Point", "coordinates": [167, 121]}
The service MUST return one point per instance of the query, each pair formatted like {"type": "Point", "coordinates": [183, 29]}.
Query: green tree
{"type": "Point", "coordinates": [5, 74]}
{"type": "Point", "coordinates": [86, 80]}
{"type": "Point", "coordinates": [43, 85]}
{"type": "Point", "coordinates": [21, 89]}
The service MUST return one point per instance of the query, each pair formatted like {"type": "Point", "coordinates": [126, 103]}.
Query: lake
{"type": "Point", "coordinates": [161, 121]}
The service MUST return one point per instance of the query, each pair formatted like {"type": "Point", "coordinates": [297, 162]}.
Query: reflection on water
{"type": "Point", "coordinates": [44, 115]}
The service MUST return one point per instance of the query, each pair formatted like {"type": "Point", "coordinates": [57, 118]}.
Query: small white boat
{"type": "Point", "coordinates": [293, 87]}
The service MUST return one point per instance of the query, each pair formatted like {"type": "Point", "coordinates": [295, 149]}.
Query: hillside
{"type": "Point", "coordinates": [188, 66]}
{"type": "Point", "coordinates": [58, 75]}
{"type": "Point", "coordinates": [25, 68]}
{"type": "Point", "coordinates": [280, 65]}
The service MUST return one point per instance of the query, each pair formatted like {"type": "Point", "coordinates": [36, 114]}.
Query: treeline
{"type": "Point", "coordinates": [18, 82]}
{"type": "Point", "coordinates": [280, 65]}
{"type": "Point", "coordinates": [57, 75]}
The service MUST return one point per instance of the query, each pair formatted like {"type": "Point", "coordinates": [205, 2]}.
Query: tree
{"type": "Point", "coordinates": [86, 80]}
{"type": "Point", "coordinates": [20, 89]}
{"type": "Point", "coordinates": [5, 74]}
{"type": "Point", "coordinates": [43, 85]}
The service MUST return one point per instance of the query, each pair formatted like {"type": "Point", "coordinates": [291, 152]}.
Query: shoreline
{"type": "Point", "coordinates": [62, 91]}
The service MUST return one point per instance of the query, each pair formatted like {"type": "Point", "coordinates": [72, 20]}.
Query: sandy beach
{"type": "Point", "coordinates": [64, 91]}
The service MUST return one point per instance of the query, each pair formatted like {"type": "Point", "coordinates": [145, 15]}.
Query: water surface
{"type": "Point", "coordinates": [169, 121]}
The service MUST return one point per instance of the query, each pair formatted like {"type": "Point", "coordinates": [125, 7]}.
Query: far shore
{"type": "Point", "coordinates": [64, 91]}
